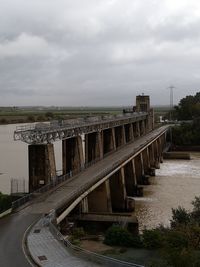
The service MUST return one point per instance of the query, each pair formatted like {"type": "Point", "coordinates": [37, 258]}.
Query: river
{"type": "Point", "coordinates": [176, 183]}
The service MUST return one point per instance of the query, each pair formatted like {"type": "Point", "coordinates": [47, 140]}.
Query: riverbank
{"type": "Point", "coordinates": [28, 115]}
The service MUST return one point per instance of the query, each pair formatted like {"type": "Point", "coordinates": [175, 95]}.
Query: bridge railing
{"type": "Point", "coordinates": [89, 255]}
{"type": "Point", "coordinates": [57, 180]}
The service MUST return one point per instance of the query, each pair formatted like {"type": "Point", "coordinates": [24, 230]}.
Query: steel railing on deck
{"type": "Point", "coordinates": [58, 180]}
{"type": "Point", "coordinates": [89, 255]}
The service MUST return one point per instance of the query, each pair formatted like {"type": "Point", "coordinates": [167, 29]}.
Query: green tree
{"type": "Point", "coordinates": [188, 107]}
{"type": "Point", "coordinates": [49, 115]}
{"type": "Point", "coordinates": [196, 210]}
{"type": "Point", "coordinates": [180, 216]}
{"type": "Point", "coordinates": [118, 236]}
{"type": "Point", "coordinates": [153, 239]}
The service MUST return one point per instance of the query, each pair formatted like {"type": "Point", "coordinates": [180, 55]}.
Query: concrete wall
{"type": "Point", "coordinates": [118, 191]}
{"type": "Point", "coordinates": [93, 146]}
{"type": "Point", "coordinates": [72, 154]}
{"type": "Point", "coordinates": [130, 178]}
{"type": "Point", "coordinates": [108, 137]}
{"type": "Point", "coordinates": [99, 200]}
{"type": "Point", "coordinates": [42, 168]}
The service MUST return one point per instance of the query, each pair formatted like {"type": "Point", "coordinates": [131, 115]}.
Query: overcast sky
{"type": "Point", "coordinates": [98, 52]}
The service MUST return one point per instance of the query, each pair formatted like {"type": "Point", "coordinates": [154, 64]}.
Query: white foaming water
{"type": "Point", "coordinates": [176, 183]}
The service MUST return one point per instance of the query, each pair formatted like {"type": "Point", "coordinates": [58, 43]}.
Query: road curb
{"type": "Point", "coordinates": [25, 247]}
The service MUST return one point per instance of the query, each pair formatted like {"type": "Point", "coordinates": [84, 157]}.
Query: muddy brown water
{"type": "Point", "coordinates": [176, 183]}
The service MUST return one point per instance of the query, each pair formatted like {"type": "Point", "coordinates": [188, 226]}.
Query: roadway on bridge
{"type": "Point", "coordinates": [12, 228]}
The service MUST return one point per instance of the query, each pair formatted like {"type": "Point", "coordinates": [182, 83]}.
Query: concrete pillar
{"type": "Point", "coordinates": [99, 200]}
{"type": "Point", "coordinates": [72, 154]}
{"type": "Point", "coordinates": [93, 147]}
{"type": "Point", "coordinates": [120, 136]}
{"type": "Point", "coordinates": [138, 130]}
{"type": "Point", "coordinates": [139, 169]}
{"type": "Point", "coordinates": [160, 148]}
{"type": "Point", "coordinates": [143, 127]}
{"type": "Point", "coordinates": [156, 155]}
{"type": "Point", "coordinates": [129, 132]}
{"type": "Point", "coordinates": [146, 161]}
{"type": "Point", "coordinates": [109, 143]}
{"type": "Point", "coordinates": [130, 178]}
{"type": "Point", "coordinates": [84, 205]}
{"type": "Point", "coordinates": [42, 167]}
{"type": "Point", "coordinates": [135, 130]}
{"type": "Point", "coordinates": [118, 191]}
{"type": "Point", "coordinates": [146, 125]}
{"type": "Point", "coordinates": [152, 159]}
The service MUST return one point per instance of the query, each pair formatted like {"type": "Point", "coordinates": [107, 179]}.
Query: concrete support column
{"type": "Point", "coordinates": [84, 205]}
{"type": "Point", "coordinates": [42, 167]}
{"type": "Point", "coordinates": [143, 127]}
{"type": "Point", "coordinates": [118, 191]}
{"type": "Point", "coordinates": [134, 125]}
{"type": "Point", "coordinates": [130, 178]}
{"type": "Point", "coordinates": [151, 155]}
{"type": "Point", "coordinates": [138, 132]}
{"type": "Point", "coordinates": [120, 138]}
{"type": "Point", "coordinates": [109, 143]}
{"type": "Point", "coordinates": [99, 200]}
{"type": "Point", "coordinates": [100, 142]}
{"type": "Point", "coordinates": [146, 161]}
{"type": "Point", "coordinates": [139, 168]}
{"type": "Point", "coordinates": [93, 147]}
{"type": "Point", "coordinates": [146, 126]}
{"type": "Point", "coordinates": [156, 155]}
{"type": "Point", "coordinates": [129, 132]}
{"type": "Point", "coordinates": [72, 153]}
{"type": "Point", "coordinates": [161, 147]}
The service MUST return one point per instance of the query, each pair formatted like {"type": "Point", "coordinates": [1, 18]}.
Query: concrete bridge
{"type": "Point", "coordinates": [125, 151]}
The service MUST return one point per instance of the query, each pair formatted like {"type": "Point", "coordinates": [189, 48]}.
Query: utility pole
{"type": "Point", "coordinates": [171, 92]}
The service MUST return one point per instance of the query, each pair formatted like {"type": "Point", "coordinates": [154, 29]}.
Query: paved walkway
{"type": "Point", "coordinates": [49, 252]}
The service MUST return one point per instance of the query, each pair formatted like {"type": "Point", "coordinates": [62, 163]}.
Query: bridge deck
{"type": "Point", "coordinates": [13, 227]}
{"type": "Point", "coordinates": [42, 133]}
{"type": "Point", "coordinates": [73, 188]}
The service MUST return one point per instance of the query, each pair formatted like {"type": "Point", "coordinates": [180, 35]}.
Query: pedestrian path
{"type": "Point", "coordinates": [47, 251]}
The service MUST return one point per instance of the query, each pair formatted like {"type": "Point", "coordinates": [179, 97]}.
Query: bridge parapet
{"type": "Point", "coordinates": [43, 133]}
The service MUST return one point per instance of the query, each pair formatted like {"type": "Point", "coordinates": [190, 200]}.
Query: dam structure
{"type": "Point", "coordinates": [106, 161]}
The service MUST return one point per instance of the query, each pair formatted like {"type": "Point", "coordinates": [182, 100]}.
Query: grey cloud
{"type": "Point", "coordinates": [96, 52]}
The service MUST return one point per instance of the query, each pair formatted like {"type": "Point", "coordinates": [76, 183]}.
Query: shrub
{"type": "Point", "coordinates": [152, 239]}
{"type": "Point", "coordinates": [5, 202]}
{"type": "Point", "coordinates": [78, 233]}
{"type": "Point", "coordinates": [196, 210]}
{"type": "Point", "coordinates": [180, 217]}
{"type": "Point", "coordinates": [175, 239]}
{"type": "Point", "coordinates": [31, 118]}
{"type": "Point", "coordinates": [118, 236]}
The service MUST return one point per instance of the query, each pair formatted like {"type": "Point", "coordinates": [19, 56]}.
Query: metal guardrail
{"type": "Point", "coordinates": [89, 255]}
{"type": "Point", "coordinates": [47, 133]}
{"type": "Point", "coordinates": [66, 177]}
{"type": "Point", "coordinates": [59, 179]}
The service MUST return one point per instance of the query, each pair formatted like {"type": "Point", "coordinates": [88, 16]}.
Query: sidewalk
{"type": "Point", "coordinates": [47, 251]}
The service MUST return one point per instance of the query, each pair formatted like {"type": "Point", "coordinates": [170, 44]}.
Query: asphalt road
{"type": "Point", "coordinates": [12, 229]}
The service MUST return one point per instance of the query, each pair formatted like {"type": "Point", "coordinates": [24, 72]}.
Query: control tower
{"type": "Point", "coordinates": [142, 103]}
